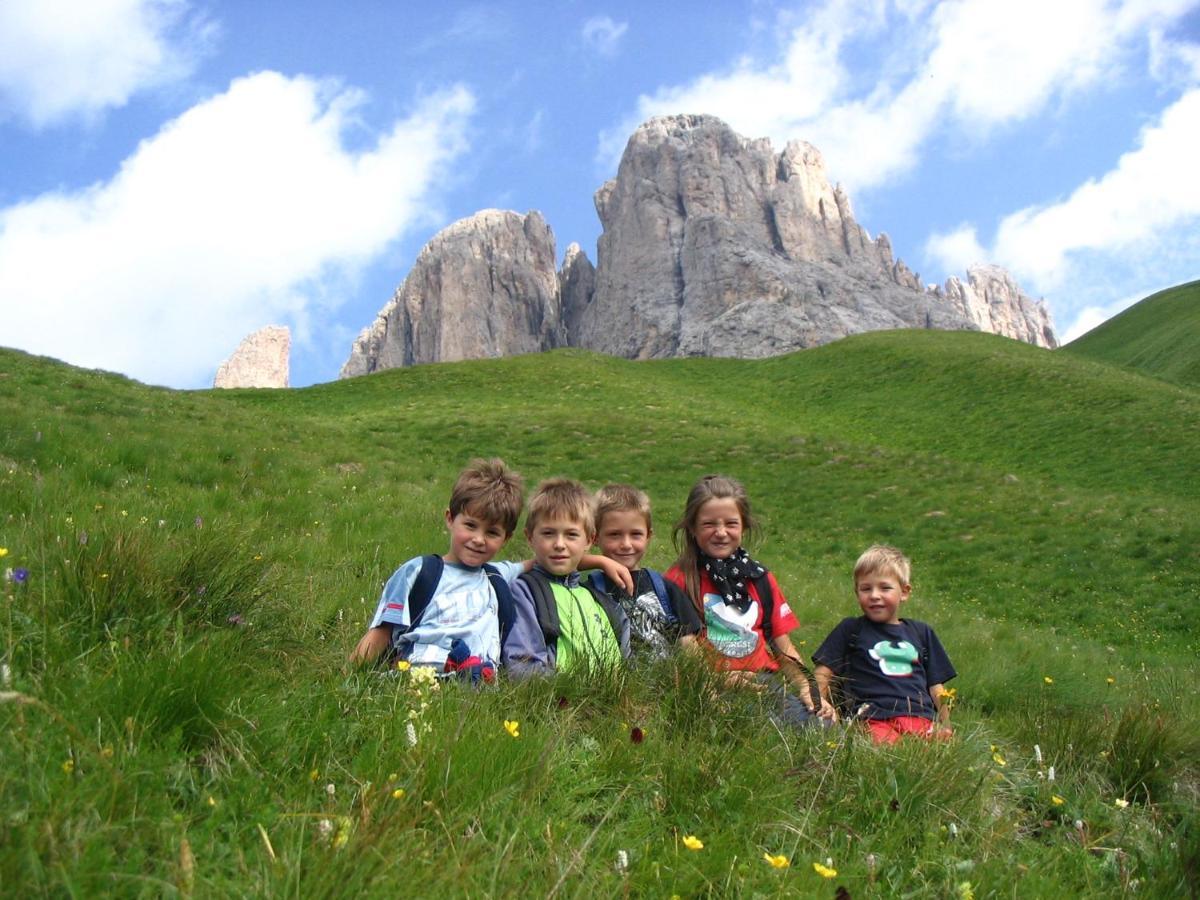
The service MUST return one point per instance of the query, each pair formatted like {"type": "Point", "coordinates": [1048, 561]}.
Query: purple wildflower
{"type": "Point", "coordinates": [20, 576]}
{"type": "Point", "coordinates": [235, 619]}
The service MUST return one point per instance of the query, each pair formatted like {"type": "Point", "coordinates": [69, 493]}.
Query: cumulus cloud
{"type": "Point", "coordinates": [245, 210]}
{"type": "Point", "coordinates": [966, 67]}
{"type": "Point", "coordinates": [65, 58]}
{"type": "Point", "coordinates": [1151, 189]}
{"type": "Point", "coordinates": [603, 35]}
{"type": "Point", "coordinates": [956, 250]}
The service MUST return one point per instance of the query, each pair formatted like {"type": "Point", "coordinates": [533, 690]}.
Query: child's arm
{"type": "Point", "coordinates": [824, 678]}
{"type": "Point", "coordinates": [613, 570]}
{"type": "Point", "coordinates": [372, 644]}
{"type": "Point", "coordinates": [942, 700]}
{"type": "Point", "coordinates": [790, 665]}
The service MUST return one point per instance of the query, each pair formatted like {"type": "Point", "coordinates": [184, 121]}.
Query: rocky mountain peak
{"type": "Point", "coordinates": [260, 360]}
{"type": "Point", "coordinates": [713, 244]}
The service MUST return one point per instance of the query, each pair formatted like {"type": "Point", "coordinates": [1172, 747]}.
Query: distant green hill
{"type": "Point", "coordinates": [1159, 336]}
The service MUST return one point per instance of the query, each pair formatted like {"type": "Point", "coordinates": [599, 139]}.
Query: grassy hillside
{"type": "Point", "coordinates": [1159, 336]}
{"type": "Point", "coordinates": [199, 564]}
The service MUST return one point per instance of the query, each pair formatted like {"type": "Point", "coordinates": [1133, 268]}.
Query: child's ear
{"type": "Point", "coordinates": [905, 590]}
{"type": "Point", "coordinates": [449, 518]}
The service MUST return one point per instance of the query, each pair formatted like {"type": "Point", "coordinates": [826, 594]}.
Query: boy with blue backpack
{"type": "Point", "coordinates": [660, 614]}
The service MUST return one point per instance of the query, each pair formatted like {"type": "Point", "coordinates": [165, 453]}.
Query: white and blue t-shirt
{"type": "Point", "coordinates": [463, 607]}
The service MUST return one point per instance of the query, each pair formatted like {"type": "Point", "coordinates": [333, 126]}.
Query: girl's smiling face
{"type": "Point", "coordinates": [718, 528]}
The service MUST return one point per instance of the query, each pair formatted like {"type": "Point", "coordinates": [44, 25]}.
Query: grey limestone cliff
{"type": "Point", "coordinates": [260, 361]}
{"type": "Point", "coordinates": [715, 245]}
{"type": "Point", "coordinates": [484, 286]}
{"type": "Point", "coordinates": [712, 245]}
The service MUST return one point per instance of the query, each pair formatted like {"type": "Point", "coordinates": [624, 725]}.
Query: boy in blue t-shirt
{"type": "Point", "coordinates": [893, 670]}
{"type": "Point", "coordinates": [485, 505]}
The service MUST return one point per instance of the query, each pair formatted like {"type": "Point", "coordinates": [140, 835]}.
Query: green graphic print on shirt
{"type": "Point", "coordinates": [895, 658]}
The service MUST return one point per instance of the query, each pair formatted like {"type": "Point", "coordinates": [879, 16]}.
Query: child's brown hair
{"type": "Point", "coordinates": [622, 498]}
{"type": "Point", "coordinates": [489, 489]}
{"type": "Point", "coordinates": [561, 497]}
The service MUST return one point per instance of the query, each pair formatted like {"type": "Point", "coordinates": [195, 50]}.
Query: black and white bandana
{"type": "Point", "coordinates": [730, 576]}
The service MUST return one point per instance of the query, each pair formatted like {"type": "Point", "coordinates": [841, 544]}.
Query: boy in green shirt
{"type": "Point", "coordinates": [560, 623]}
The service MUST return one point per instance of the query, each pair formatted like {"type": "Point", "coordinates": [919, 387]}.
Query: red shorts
{"type": "Point", "coordinates": [888, 731]}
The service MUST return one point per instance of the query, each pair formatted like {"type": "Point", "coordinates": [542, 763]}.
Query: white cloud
{"type": "Point", "coordinates": [245, 210]}
{"type": "Point", "coordinates": [66, 58]}
{"type": "Point", "coordinates": [603, 35]}
{"type": "Point", "coordinates": [1152, 189]}
{"type": "Point", "coordinates": [956, 250]}
{"type": "Point", "coordinates": [1091, 316]}
{"type": "Point", "coordinates": [962, 68]}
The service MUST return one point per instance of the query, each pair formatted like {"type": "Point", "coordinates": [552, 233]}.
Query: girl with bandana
{"type": "Point", "coordinates": [732, 591]}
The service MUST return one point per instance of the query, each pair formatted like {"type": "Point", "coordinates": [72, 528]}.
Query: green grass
{"type": "Point", "coordinates": [1158, 336]}
{"type": "Point", "coordinates": [200, 563]}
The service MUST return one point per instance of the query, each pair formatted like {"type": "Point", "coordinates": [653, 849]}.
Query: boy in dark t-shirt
{"type": "Point", "coordinates": [893, 670]}
{"type": "Point", "coordinates": [660, 614]}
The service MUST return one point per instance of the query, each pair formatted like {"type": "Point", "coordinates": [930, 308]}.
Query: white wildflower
{"type": "Point", "coordinates": [411, 732]}
{"type": "Point", "coordinates": [330, 789]}
{"type": "Point", "coordinates": [1037, 754]}
{"type": "Point", "coordinates": [622, 861]}
{"type": "Point", "coordinates": [1050, 774]}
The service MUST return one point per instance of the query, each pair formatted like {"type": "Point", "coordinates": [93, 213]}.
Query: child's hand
{"type": "Point", "coordinates": [615, 572]}
{"type": "Point", "coordinates": [827, 711]}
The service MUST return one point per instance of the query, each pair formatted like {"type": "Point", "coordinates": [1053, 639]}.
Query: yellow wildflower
{"type": "Point", "coordinates": [1121, 803]}
{"type": "Point", "coordinates": [778, 861]}
{"type": "Point", "coordinates": [1110, 680]}
{"type": "Point", "coordinates": [998, 759]}
{"type": "Point", "coordinates": [824, 871]}
{"type": "Point", "coordinates": [692, 842]}
{"type": "Point", "coordinates": [1047, 679]}
{"type": "Point", "coordinates": [965, 891]}
{"type": "Point", "coordinates": [212, 801]}
{"type": "Point", "coordinates": [398, 793]}
{"type": "Point", "coordinates": [512, 727]}
{"type": "Point", "coordinates": [314, 775]}
{"type": "Point", "coordinates": [393, 777]}
{"type": "Point", "coordinates": [68, 766]}
{"type": "Point", "coordinates": [404, 665]}
{"type": "Point", "coordinates": [3, 551]}
{"type": "Point", "coordinates": [1057, 800]}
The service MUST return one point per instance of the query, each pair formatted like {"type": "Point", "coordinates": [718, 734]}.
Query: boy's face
{"type": "Point", "coordinates": [623, 536]}
{"type": "Point", "coordinates": [718, 530]}
{"type": "Point", "coordinates": [559, 544]}
{"type": "Point", "coordinates": [880, 595]}
{"type": "Point", "coordinates": [474, 540]}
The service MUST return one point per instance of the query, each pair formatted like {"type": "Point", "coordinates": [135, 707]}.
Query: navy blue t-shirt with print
{"type": "Point", "coordinates": [890, 667]}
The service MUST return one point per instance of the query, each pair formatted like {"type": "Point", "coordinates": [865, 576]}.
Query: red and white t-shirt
{"type": "Point", "coordinates": [737, 637]}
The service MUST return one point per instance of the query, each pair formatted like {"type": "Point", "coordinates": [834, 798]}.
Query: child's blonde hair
{"type": "Point", "coordinates": [881, 558]}
{"type": "Point", "coordinates": [710, 487]}
{"type": "Point", "coordinates": [489, 489]}
{"type": "Point", "coordinates": [562, 498]}
{"type": "Point", "coordinates": [622, 498]}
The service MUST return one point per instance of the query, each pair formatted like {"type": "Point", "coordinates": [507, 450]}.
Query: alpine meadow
{"type": "Point", "coordinates": [188, 570]}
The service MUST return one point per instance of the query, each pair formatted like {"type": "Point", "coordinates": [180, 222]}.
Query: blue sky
{"type": "Point", "coordinates": [175, 174]}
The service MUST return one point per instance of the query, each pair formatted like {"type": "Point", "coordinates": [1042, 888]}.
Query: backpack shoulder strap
{"type": "Point", "coordinates": [597, 580]}
{"type": "Point", "coordinates": [766, 597]}
{"type": "Point", "coordinates": [852, 637]}
{"type": "Point", "coordinates": [660, 591]}
{"type": "Point", "coordinates": [506, 612]}
{"type": "Point", "coordinates": [423, 587]}
{"type": "Point", "coordinates": [544, 604]}
{"type": "Point", "coordinates": [922, 631]}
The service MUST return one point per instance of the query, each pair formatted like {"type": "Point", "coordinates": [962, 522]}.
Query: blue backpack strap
{"type": "Point", "coordinates": [505, 609]}
{"type": "Point", "coordinates": [598, 581]}
{"type": "Point", "coordinates": [423, 587]}
{"type": "Point", "coordinates": [660, 591]}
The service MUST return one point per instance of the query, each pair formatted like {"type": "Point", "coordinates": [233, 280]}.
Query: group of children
{"type": "Point", "coordinates": [463, 613]}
